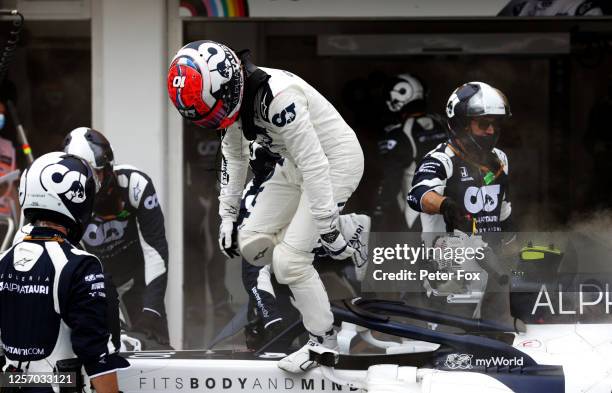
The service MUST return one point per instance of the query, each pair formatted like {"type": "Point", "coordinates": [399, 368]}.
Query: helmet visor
{"type": "Point", "coordinates": [497, 122]}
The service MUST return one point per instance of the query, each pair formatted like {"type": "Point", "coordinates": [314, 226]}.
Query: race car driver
{"type": "Point", "coordinates": [463, 184]}
{"type": "Point", "coordinates": [406, 137]}
{"type": "Point", "coordinates": [52, 294]}
{"type": "Point", "coordinates": [127, 233]}
{"type": "Point", "coordinates": [297, 208]}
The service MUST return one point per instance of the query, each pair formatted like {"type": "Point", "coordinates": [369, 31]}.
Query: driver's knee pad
{"type": "Point", "coordinates": [256, 247]}
{"type": "Point", "coordinates": [291, 266]}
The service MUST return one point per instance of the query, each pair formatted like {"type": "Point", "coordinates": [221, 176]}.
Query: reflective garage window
{"type": "Point", "coordinates": [47, 79]}
{"type": "Point", "coordinates": [558, 84]}
{"type": "Point", "coordinates": [51, 74]}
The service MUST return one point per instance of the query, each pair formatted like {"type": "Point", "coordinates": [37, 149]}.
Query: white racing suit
{"type": "Point", "coordinates": [321, 167]}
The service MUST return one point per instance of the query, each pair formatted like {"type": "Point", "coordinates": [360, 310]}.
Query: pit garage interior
{"type": "Point", "coordinates": [556, 72]}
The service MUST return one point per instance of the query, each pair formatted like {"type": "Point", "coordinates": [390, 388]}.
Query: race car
{"type": "Point", "coordinates": [389, 346]}
{"type": "Point", "coordinates": [485, 358]}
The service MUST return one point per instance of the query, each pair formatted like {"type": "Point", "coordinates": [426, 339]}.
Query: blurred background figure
{"type": "Point", "coordinates": [408, 133]}
{"type": "Point", "coordinates": [126, 232]}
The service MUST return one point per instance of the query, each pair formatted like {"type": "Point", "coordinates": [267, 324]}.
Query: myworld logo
{"type": "Point", "coordinates": [464, 361]}
{"type": "Point", "coordinates": [499, 362]}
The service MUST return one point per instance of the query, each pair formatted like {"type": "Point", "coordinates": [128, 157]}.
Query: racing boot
{"type": "Point", "coordinates": [254, 337]}
{"type": "Point", "coordinates": [356, 230]}
{"type": "Point", "coordinates": [254, 329]}
{"type": "Point", "coordinates": [299, 361]}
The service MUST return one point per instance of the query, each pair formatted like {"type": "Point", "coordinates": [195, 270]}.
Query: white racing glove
{"type": "Point", "coordinates": [334, 243]}
{"type": "Point", "coordinates": [228, 239]}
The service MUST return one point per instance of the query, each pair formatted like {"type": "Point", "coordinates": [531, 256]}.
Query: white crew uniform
{"type": "Point", "coordinates": [322, 166]}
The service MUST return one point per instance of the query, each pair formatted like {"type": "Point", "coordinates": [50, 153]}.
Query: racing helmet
{"type": "Point", "coordinates": [59, 187]}
{"type": "Point", "coordinates": [93, 147]}
{"type": "Point", "coordinates": [472, 100]}
{"type": "Point", "coordinates": [205, 84]}
{"type": "Point", "coordinates": [404, 89]}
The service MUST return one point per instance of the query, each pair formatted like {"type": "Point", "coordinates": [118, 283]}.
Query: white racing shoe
{"type": "Point", "coordinates": [299, 361]}
{"type": "Point", "coordinates": [356, 230]}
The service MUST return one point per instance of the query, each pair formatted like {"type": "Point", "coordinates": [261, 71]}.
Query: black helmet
{"type": "Point", "coordinates": [59, 187]}
{"type": "Point", "coordinates": [94, 148]}
{"type": "Point", "coordinates": [475, 99]}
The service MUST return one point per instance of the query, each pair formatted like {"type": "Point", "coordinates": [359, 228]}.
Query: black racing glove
{"type": "Point", "coordinates": [154, 326]}
{"type": "Point", "coordinates": [455, 217]}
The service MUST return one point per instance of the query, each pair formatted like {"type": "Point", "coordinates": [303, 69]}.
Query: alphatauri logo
{"type": "Point", "coordinates": [62, 181]}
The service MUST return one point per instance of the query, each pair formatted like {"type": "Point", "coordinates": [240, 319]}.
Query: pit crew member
{"type": "Point", "coordinates": [407, 136]}
{"type": "Point", "coordinates": [127, 233]}
{"type": "Point", "coordinates": [463, 184]}
{"type": "Point", "coordinates": [52, 294]}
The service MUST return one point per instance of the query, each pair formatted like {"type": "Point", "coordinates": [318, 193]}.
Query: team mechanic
{"type": "Point", "coordinates": [127, 233]}
{"type": "Point", "coordinates": [463, 183]}
{"type": "Point", "coordinates": [52, 294]}
{"type": "Point", "coordinates": [297, 208]}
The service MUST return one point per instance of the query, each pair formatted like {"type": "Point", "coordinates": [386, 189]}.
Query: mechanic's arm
{"type": "Point", "coordinates": [427, 192]}
{"type": "Point", "coordinates": [290, 108]}
{"type": "Point", "coordinates": [431, 202]}
{"type": "Point", "coordinates": [152, 236]}
{"type": "Point", "coordinates": [84, 311]}
{"type": "Point", "coordinates": [155, 250]}
{"type": "Point", "coordinates": [429, 182]}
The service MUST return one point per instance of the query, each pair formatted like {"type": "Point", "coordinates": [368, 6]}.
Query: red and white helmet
{"type": "Point", "coordinates": [205, 83]}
